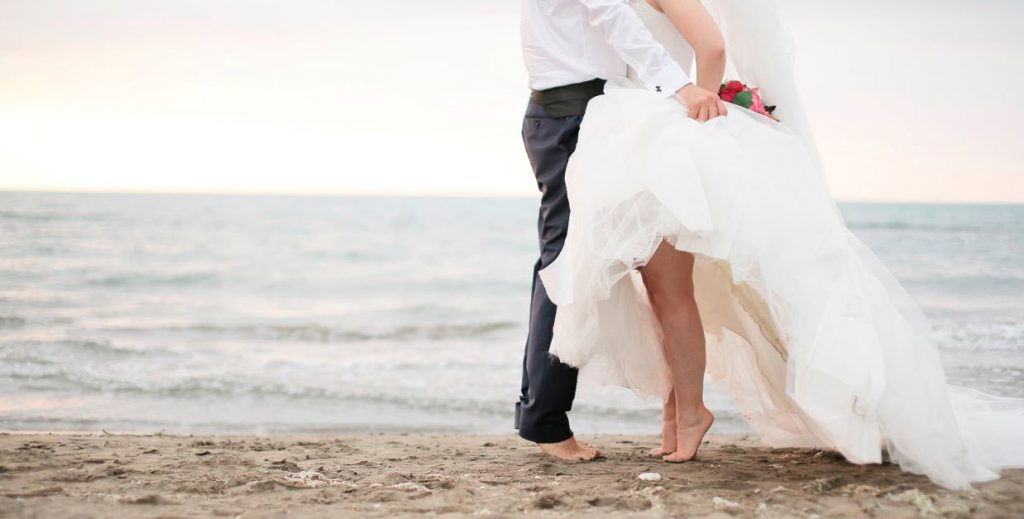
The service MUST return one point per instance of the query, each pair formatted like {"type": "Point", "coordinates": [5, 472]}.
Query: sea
{"type": "Point", "coordinates": [220, 314]}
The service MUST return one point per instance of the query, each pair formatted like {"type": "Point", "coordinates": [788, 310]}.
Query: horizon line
{"type": "Point", "coordinates": [367, 194]}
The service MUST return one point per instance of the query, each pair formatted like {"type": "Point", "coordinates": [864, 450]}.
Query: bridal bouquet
{"type": "Point", "coordinates": [737, 93]}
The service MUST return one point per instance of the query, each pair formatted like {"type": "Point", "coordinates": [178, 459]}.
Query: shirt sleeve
{"type": "Point", "coordinates": [628, 35]}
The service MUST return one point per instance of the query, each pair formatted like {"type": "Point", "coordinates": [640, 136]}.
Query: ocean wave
{"type": "Point", "coordinates": [148, 280]}
{"type": "Point", "coordinates": [35, 374]}
{"type": "Point", "coordinates": [64, 347]}
{"type": "Point", "coordinates": [1001, 336]}
{"type": "Point", "coordinates": [482, 409]}
{"type": "Point", "coordinates": [1007, 381]}
{"type": "Point", "coordinates": [15, 358]}
{"type": "Point", "coordinates": [54, 216]}
{"type": "Point", "coordinates": [981, 283]}
{"type": "Point", "coordinates": [59, 379]}
{"type": "Point", "coordinates": [38, 375]}
{"type": "Point", "coordinates": [30, 217]}
{"type": "Point", "coordinates": [205, 425]}
{"type": "Point", "coordinates": [901, 225]}
{"type": "Point", "coordinates": [327, 334]}
{"type": "Point", "coordinates": [11, 321]}
{"type": "Point", "coordinates": [51, 423]}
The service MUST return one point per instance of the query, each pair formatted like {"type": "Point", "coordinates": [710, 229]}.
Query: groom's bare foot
{"type": "Point", "coordinates": [570, 450]}
{"type": "Point", "coordinates": [689, 435]}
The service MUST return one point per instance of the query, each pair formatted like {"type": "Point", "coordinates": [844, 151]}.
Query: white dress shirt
{"type": "Point", "coordinates": [571, 41]}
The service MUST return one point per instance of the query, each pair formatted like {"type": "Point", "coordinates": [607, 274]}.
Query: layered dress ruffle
{"type": "Point", "coordinates": [807, 330]}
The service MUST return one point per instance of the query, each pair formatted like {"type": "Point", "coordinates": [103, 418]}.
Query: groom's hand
{"type": "Point", "coordinates": [702, 104]}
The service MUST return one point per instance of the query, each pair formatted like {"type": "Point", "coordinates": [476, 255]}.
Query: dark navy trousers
{"type": "Point", "coordinates": [548, 385]}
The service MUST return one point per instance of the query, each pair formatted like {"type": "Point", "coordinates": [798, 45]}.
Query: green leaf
{"type": "Point", "coordinates": [744, 99]}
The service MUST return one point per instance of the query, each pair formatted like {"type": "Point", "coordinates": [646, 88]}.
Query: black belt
{"type": "Point", "coordinates": [568, 100]}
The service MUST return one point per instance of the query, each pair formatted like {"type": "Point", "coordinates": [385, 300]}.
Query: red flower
{"type": "Point", "coordinates": [729, 90]}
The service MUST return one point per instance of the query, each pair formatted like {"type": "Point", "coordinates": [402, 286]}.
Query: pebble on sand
{"type": "Point", "coordinates": [649, 476]}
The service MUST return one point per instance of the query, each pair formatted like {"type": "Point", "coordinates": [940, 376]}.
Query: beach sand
{"type": "Point", "coordinates": [388, 475]}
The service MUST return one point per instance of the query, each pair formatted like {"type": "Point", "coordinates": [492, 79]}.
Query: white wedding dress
{"type": "Point", "coordinates": [807, 330]}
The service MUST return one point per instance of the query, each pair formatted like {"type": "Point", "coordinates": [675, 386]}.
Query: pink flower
{"type": "Point", "coordinates": [756, 105]}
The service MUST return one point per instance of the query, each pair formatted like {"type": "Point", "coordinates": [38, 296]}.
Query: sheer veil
{"type": "Point", "coordinates": [955, 435]}
{"type": "Point", "coordinates": [761, 52]}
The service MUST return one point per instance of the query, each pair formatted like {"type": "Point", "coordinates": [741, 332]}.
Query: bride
{"type": "Point", "coordinates": [711, 244]}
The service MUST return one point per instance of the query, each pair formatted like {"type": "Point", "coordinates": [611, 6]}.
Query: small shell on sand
{"type": "Point", "coordinates": [649, 476]}
{"type": "Point", "coordinates": [721, 502]}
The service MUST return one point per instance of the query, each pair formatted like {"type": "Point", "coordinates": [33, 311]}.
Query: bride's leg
{"type": "Point", "coordinates": [668, 277]}
{"type": "Point", "coordinates": [668, 427]}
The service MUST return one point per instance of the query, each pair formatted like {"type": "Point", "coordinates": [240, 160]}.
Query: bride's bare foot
{"type": "Point", "coordinates": [689, 435]}
{"type": "Point", "coordinates": [668, 428]}
{"type": "Point", "coordinates": [657, 452]}
{"type": "Point", "coordinates": [570, 450]}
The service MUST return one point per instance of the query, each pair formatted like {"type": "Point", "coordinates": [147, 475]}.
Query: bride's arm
{"type": "Point", "coordinates": [694, 21]}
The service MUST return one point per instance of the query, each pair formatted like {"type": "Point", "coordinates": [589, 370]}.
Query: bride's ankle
{"type": "Point", "coordinates": [693, 416]}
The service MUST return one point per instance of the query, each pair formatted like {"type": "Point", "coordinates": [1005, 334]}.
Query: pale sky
{"type": "Point", "coordinates": [912, 100]}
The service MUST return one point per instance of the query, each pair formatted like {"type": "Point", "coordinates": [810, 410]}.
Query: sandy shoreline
{"type": "Point", "coordinates": [388, 475]}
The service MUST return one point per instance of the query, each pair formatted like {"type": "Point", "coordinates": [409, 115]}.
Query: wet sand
{"type": "Point", "coordinates": [389, 475]}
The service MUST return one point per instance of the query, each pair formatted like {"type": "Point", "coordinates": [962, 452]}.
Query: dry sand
{"type": "Point", "coordinates": [388, 475]}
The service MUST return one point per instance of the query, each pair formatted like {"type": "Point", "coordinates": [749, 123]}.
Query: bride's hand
{"type": "Point", "coordinates": [702, 104]}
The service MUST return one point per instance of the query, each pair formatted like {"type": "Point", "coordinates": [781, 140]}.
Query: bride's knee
{"type": "Point", "coordinates": [671, 295]}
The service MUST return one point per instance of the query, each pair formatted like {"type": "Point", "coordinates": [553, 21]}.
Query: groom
{"type": "Point", "coordinates": [567, 67]}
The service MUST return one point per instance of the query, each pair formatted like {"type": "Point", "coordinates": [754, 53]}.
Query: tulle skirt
{"type": "Point", "coordinates": [807, 330]}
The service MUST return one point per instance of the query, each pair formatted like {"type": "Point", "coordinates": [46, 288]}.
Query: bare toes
{"type": "Point", "coordinates": [677, 457]}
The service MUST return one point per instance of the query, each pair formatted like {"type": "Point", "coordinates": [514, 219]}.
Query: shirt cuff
{"type": "Point", "coordinates": [668, 80]}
